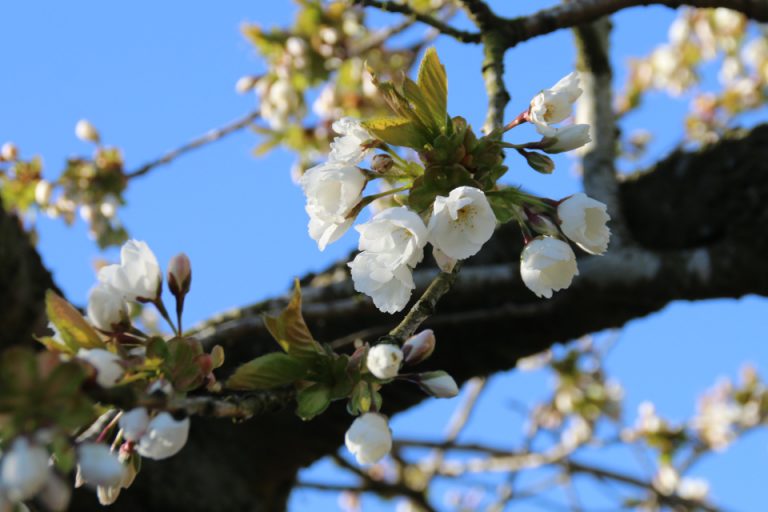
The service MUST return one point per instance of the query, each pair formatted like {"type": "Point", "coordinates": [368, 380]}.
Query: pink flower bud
{"type": "Point", "coordinates": [438, 384]}
{"type": "Point", "coordinates": [419, 347]}
{"type": "Point", "coordinates": [179, 274]}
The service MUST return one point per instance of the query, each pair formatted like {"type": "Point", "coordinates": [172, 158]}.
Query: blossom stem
{"type": "Point", "coordinates": [520, 119]}
{"type": "Point", "coordinates": [164, 313]}
{"type": "Point", "coordinates": [103, 434]}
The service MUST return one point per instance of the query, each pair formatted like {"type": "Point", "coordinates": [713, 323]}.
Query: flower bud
{"type": "Point", "coordinates": [419, 347]}
{"type": "Point", "coordinates": [24, 470]}
{"type": "Point", "coordinates": [381, 163]}
{"type": "Point", "coordinates": [9, 152]}
{"type": "Point", "coordinates": [369, 438]}
{"type": "Point", "coordinates": [98, 465]}
{"type": "Point", "coordinates": [438, 384]}
{"type": "Point", "coordinates": [179, 274]}
{"type": "Point", "coordinates": [107, 365]}
{"type": "Point", "coordinates": [542, 225]}
{"type": "Point", "coordinates": [567, 139]}
{"type": "Point", "coordinates": [384, 360]}
{"type": "Point", "coordinates": [86, 132]}
{"type": "Point", "coordinates": [246, 84]}
{"type": "Point", "coordinates": [43, 191]}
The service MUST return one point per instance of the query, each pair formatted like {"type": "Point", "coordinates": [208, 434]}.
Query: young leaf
{"type": "Point", "coordinates": [312, 401]}
{"type": "Point", "coordinates": [75, 331]}
{"type": "Point", "coordinates": [396, 131]}
{"type": "Point", "coordinates": [268, 371]}
{"type": "Point", "coordinates": [290, 330]}
{"type": "Point", "coordinates": [181, 364]}
{"type": "Point", "coordinates": [433, 83]}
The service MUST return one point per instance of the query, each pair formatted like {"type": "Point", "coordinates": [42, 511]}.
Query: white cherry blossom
{"type": "Point", "coordinates": [347, 147]}
{"type": "Point", "coordinates": [369, 438]}
{"type": "Point", "coordinates": [389, 286]}
{"type": "Point", "coordinates": [138, 275]}
{"type": "Point", "coordinates": [134, 423]}
{"type": "Point", "coordinates": [332, 190]}
{"type": "Point", "coordinates": [164, 437]}
{"type": "Point", "coordinates": [547, 265]}
{"type": "Point", "coordinates": [107, 365]}
{"type": "Point", "coordinates": [24, 470]}
{"type": "Point", "coordinates": [585, 221]}
{"type": "Point", "coordinates": [461, 223]}
{"type": "Point", "coordinates": [98, 465]}
{"type": "Point", "coordinates": [106, 308]}
{"type": "Point", "coordinates": [554, 105]}
{"type": "Point", "coordinates": [395, 231]}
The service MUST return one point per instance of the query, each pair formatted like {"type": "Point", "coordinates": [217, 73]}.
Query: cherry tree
{"type": "Point", "coordinates": [449, 246]}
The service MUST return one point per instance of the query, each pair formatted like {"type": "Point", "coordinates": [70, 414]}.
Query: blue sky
{"type": "Point", "coordinates": [151, 76]}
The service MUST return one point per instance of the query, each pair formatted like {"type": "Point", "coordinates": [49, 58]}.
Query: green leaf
{"type": "Point", "coordinates": [290, 330]}
{"type": "Point", "coordinates": [267, 371]}
{"type": "Point", "coordinates": [75, 331]}
{"type": "Point", "coordinates": [538, 162]}
{"type": "Point", "coordinates": [312, 401]}
{"type": "Point", "coordinates": [157, 348]}
{"type": "Point", "coordinates": [433, 83]}
{"type": "Point", "coordinates": [396, 131]}
{"type": "Point", "coordinates": [181, 364]}
{"type": "Point", "coordinates": [341, 378]}
{"type": "Point", "coordinates": [217, 356]}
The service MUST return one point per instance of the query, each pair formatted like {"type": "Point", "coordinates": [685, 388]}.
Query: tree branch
{"type": "Point", "coordinates": [581, 12]}
{"type": "Point", "coordinates": [440, 26]}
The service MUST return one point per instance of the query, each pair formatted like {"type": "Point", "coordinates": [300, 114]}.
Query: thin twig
{"type": "Point", "coordinates": [211, 136]}
{"type": "Point", "coordinates": [424, 307]}
{"type": "Point", "coordinates": [443, 28]}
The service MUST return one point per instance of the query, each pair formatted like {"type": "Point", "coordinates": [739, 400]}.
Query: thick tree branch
{"type": "Point", "coordinates": [581, 12]}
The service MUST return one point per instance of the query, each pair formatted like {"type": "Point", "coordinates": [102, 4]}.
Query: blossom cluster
{"type": "Point", "coordinates": [456, 224]}
{"type": "Point", "coordinates": [106, 349]}
{"type": "Point", "coordinates": [369, 438]}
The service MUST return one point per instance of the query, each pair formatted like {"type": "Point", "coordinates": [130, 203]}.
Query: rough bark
{"type": "Point", "coordinates": [699, 219]}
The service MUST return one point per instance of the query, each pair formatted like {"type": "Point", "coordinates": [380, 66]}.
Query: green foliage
{"type": "Point", "coordinates": [291, 332]}
{"type": "Point", "coordinates": [268, 371]}
{"type": "Point", "coordinates": [39, 391]}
